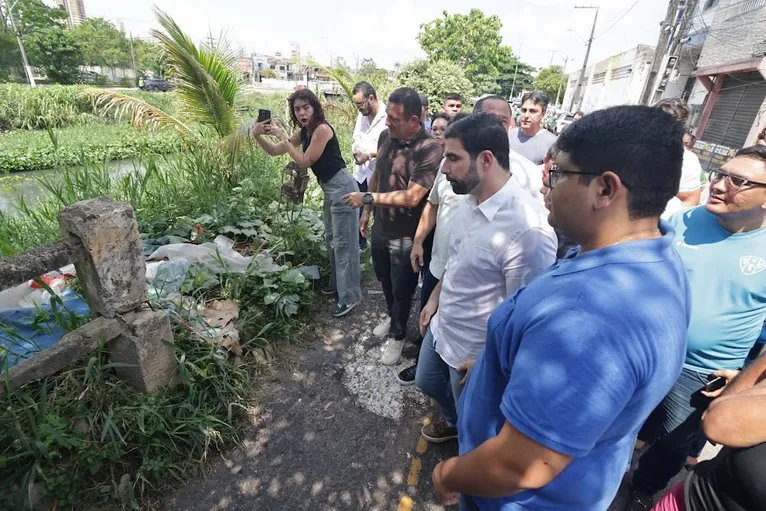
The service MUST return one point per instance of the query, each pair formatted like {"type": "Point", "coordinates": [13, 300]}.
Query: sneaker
{"type": "Point", "coordinates": [381, 331]}
{"type": "Point", "coordinates": [439, 432]}
{"type": "Point", "coordinates": [407, 376]}
{"type": "Point", "coordinates": [328, 291]}
{"type": "Point", "coordinates": [392, 351]}
{"type": "Point", "coordinates": [341, 310]}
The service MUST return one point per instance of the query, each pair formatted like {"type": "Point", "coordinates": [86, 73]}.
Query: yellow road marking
{"type": "Point", "coordinates": [405, 504]}
{"type": "Point", "coordinates": [414, 475]}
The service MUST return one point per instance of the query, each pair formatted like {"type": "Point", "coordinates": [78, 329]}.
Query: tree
{"type": "Point", "coordinates": [153, 58]}
{"type": "Point", "coordinates": [472, 41]}
{"type": "Point", "coordinates": [56, 53]}
{"type": "Point", "coordinates": [435, 79]}
{"type": "Point", "coordinates": [10, 58]}
{"type": "Point", "coordinates": [32, 15]}
{"type": "Point", "coordinates": [549, 79]}
{"type": "Point", "coordinates": [522, 74]}
{"type": "Point", "coordinates": [102, 44]}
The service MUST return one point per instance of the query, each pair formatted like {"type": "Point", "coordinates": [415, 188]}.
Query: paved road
{"type": "Point", "coordinates": [334, 431]}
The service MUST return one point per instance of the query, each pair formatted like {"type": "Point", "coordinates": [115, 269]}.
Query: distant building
{"type": "Point", "coordinates": [75, 10]}
{"type": "Point", "coordinates": [618, 80]}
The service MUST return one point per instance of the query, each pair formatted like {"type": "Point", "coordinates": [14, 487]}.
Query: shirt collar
{"type": "Point", "coordinates": [406, 143]}
{"type": "Point", "coordinates": [491, 206]}
{"type": "Point", "coordinates": [641, 251]}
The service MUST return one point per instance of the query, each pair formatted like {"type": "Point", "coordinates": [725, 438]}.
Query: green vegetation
{"type": "Point", "coordinates": [79, 145]}
{"type": "Point", "coordinates": [436, 79]}
{"type": "Point", "coordinates": [552, 81]}
{"type": "Point", "coordinates": [84, 437]}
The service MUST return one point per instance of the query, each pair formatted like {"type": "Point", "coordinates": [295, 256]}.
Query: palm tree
{"type": "Point", "coordinates": [205, 80]}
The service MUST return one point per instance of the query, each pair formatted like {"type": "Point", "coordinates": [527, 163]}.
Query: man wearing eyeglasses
{"type": "Point", "coordinates": [723, 246]}
{"type": "Point", "coordinates": [370, 123]}
{"type": "Point", "coordinates": [551, 408]}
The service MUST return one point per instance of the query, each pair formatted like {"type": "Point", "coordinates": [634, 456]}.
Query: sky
{"type": "Point", "coordinates": [386, 31]}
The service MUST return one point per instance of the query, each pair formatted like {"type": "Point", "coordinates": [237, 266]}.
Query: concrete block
{"type": "Point", "coordinates": [70, 348]}
{"type": "Point", "coordinates": [153, 363]}
{"type": "Point", "coordinates": [109, 256]}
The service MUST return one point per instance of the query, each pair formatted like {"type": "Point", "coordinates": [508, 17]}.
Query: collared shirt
{"type": "Point", "coordinates": [691, 173]}
{"type": "Point", "coordinates": [443, 197]}
{"type": "Point", "coordinates": [727, 273]}
{"type": "Point", "coordinates": [399, 163]}
{"type": "Point", "coordinates": [496, 247]}
{"type": "Point", "coordinates": [533, 148]}
{"type": "Point", "coordinates": [576, 361]}
{"type": "Point", "coordinates": [366, 135]}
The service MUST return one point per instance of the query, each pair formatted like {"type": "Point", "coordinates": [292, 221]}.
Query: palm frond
{"type": "Point", "coordinates": [342, 75]}
{"type": "Point", "coordinates": [205, 79]}
{"type": "Point", "coordinates": [139, 113]}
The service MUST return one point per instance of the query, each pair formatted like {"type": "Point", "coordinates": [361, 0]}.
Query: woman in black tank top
{"type": "Point", "coordinates": [321, 153]}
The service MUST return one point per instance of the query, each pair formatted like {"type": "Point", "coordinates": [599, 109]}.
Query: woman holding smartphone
{"type": "Point", "coordinates": [319, 150]}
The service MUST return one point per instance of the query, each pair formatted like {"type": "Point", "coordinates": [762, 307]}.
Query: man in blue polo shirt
{"type": "Point", "coordinates": [723, 246]}
{"type": "Point", "coordinates": [554, 402]}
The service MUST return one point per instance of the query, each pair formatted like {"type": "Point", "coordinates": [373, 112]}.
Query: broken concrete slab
{"type": "Point", "coordinates": [70, 348]}
{"type": "Point", "coordinates": [152, 362]}
{"type": "Point", "coordinates": [108, 254]}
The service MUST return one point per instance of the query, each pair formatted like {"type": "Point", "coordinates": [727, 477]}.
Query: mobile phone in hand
{"type": "Point", "coordinates": [715, 384]}
{"type": "Point", "coordinates": [263, 115]}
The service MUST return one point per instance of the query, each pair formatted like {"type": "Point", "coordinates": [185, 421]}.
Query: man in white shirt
{"type": "Point", "coordinates": [500, 241]}
{"type": "Point", "coordinates": [523, 170]}
{"type": "Point", "coordinates": [690, 187]}
{"type": "Point", "coordinates": [370, 123]}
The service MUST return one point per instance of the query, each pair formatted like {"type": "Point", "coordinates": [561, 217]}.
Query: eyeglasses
{"type": "Point", "coordinates": [360, 105]}
{"type": "Point", "coordinates": [555, 173]}
{"type": "Point", "coordinates": [735, 182]}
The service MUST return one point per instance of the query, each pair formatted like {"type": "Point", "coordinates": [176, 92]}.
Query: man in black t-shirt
{"type": "Point", "coordinates": [408, 160]}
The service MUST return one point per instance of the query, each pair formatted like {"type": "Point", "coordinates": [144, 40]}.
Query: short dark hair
{"type": "Point", "coordinates": [423, 100]}
{"type": "Point", "coordinates": [490, 97]}
{"type": "Point", "coordinates": [676, 107]}
{"type": "Point", "coordinates": [454, 96]}
{"type": "Point", "coordinates": [537, 97]}
{"type": "Point", "coordinates": [643, 145]}
{"type": "Point", "coordinates": [481, 132]}
{"type": "Point", "coordinates": [409, 99]}
{"type": "Point", "coordinates": [579, 112]}
{"type": "Point", "coordinates": [441, 115]}
{"type": "Point", "coordinates": [757, 152]}
{"type": "Point", "coordinates": [455, 118]}
{"type": "Point", "coordinates": [366, 88]}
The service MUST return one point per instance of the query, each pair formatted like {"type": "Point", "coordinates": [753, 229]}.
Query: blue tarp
{"type": "Point", "coordinates": [28, 330]}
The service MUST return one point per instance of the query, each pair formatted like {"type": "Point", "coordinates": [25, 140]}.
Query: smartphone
{"type": "Point", "coordinates": [263, 115]}
{"type": "Point", "coordinates": [715, 384]}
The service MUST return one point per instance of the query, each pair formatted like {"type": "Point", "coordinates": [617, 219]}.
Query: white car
{"type": "Point", "coordinates": [564, 120]}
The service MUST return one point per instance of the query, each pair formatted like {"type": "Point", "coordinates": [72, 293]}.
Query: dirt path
{"type": "Point", "coordinates": [335, 431]}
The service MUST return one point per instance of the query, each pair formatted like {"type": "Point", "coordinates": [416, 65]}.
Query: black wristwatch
{"type": "Point", "coordinates": [367, 200]}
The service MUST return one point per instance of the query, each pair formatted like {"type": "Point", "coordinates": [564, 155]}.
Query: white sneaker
{"type": "Point", "coordinates": [381, 331]}
{"type": "Point", "coordinates": [392, 351]}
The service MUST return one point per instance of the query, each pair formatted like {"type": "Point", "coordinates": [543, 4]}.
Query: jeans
{"type": "Point", "coordinates": [391, 260]}
{"type": "Point", "coordinates": [438, 380]}
{"type": "Point", "coordinates": [363, 187]}
{"type": "Point", "coordinates": [429, 283]}
{"type": "Point", "coordinates": [341, 225]}
{"type": "Point", "coordinates": [671, 429]}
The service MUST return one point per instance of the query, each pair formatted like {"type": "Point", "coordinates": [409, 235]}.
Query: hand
{"type": "Point", "coordinates": [444, 495]}
{"type": "Point", "coordinates": [466, 366]}
{"type": "Point", "coordinates": [416, 257]}
{"type": "Point", "coordinates": [354, 199]}
{"type": "Point", "coordinates": [728, 375]}
{"type": "Point", "coordinates": [425, 316]}
{"type": "Point", "coordinates": [260, 128]}
{"type": "Point", "coordinates": [276, 131]}
{"type": "Point", "coordinates": [363, 221]}
{"type": "Point", "coordinates": [362, 158]}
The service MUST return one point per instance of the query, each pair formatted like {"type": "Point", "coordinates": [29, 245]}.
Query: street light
{"type": "Point", "coordinates": [27, 68]}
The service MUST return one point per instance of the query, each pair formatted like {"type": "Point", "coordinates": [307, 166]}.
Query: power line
{"type": "Point", "coordinates": [618, 19]}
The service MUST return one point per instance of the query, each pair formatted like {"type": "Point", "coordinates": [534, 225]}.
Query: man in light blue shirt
{"type": "Point", "coordinates": [723, 246]}
{"type": "Point", "coordinates": [553, 404]}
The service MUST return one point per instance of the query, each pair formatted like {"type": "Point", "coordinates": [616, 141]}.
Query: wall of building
{"type": "Point", "coordinates": [737, 27]}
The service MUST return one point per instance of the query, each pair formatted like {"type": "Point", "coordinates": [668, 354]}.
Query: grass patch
{"type": "Point", "coordinates": [74, 145]}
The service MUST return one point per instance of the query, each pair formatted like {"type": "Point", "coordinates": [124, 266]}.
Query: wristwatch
{"type": "Point", "coordinates": [367, 200]}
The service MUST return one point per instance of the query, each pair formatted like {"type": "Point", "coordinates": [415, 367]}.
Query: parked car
{"type": "Point", "coordinates": [564, 120]}
{"type": "Point", "coordinates": [155, 84]}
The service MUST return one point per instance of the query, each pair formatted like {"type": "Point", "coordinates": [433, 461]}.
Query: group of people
{"type": "Point", "coordinates": [563, 322]}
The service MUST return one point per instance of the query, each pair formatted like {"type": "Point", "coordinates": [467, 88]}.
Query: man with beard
{"type": "Point", "coordinates": [370, 123]}
{"type": "Point", "coordinates": [530, 139]}
{"type": "Point", "coordinates": [500, 240]}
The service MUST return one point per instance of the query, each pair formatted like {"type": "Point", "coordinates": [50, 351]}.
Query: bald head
{"type": "Point", "coordinates": [496, 106]}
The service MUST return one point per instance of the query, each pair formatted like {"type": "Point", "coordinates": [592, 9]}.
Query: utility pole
{"type": "Point", "coordinates": [515, 71]}
{"type": "Point", "coordinates": [561, 82]}
{"type": "Point", "coordinates": [133, 57]}
{"type": "Point", "coordinates": [666, 29]}
{"type": "Point", "coordinates": [587, 54]}
{"type": "Point", "coordinates": [24, 60]}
